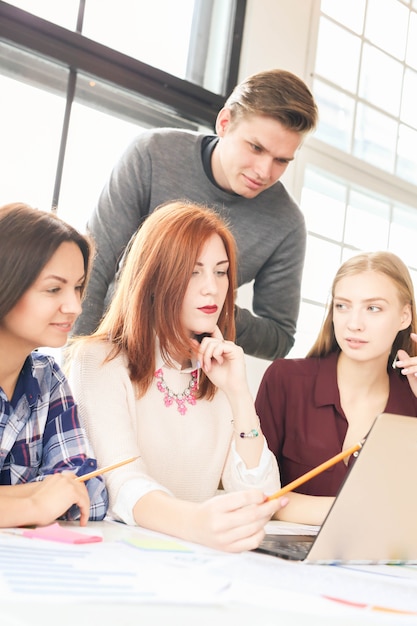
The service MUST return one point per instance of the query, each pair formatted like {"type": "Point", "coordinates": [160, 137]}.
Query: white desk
{"type": "Point", "coordinates": [256, 598]}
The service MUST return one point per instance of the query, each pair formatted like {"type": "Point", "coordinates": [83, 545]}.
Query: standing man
{"type": "Point", "coordinates": [235, 172]}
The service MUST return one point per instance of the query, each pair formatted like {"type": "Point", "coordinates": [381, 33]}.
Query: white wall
{"type": "Point", "coordinates": [276, 34]}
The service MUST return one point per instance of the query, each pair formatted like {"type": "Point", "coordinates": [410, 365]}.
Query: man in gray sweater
{"type": "Point", "coordinates": [236, 173]}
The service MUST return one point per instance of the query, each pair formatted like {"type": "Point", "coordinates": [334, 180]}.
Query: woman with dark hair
{"type": "Point", "coordinates": [44, 265]}
{"type": "Point", "coordinates": [162, 379]}
{"type": "Point", "coordinates": [313, 408]}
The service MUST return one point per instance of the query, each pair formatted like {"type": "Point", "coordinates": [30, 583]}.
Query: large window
{"type": "Point", "coordinates": [366, 88]}
{"type": "Point", "coordinates": [358, 173]}
{"type": "Point", "coordinates": [80, 79]}
{"type": "Point", "coordinates": [191, 39]}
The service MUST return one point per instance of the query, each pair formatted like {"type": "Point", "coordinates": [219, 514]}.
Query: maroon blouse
{"type": "Point", "coordinates": [298, 404]}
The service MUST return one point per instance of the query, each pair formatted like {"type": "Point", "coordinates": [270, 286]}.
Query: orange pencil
{"type": "Point", "coordinates": [103, 470]}
{"type": "Point", "coordinates": [317, 470]}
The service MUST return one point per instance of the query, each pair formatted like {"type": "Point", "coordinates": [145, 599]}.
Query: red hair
{"type": "Point", "coordinates": [152, 285]}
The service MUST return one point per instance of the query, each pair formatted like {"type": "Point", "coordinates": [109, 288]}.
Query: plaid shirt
{"type": "Point", "coordinates": [40, 432]}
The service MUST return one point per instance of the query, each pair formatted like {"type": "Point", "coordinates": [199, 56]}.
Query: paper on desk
{"type": "Point", "coordinates": [264, 580]}
{"type": "Point", "coordinates": [114, 571]}
{"type": "Point", "coordinates": [381, 587]}
{"type": "Point", "coordinates": [37, 570]}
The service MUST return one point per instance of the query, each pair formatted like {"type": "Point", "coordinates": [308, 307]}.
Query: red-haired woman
{"type": "Point", "coordinates": [147, 387]}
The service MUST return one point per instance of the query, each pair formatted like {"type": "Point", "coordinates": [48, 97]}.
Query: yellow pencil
{"type": "Point", "coordinates": [103, 470]}
{"type": "Point", "coordinates": [317, 470]}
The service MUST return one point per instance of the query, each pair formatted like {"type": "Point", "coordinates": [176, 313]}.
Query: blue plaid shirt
{"type": "Point", "coordinates": [40, 432]}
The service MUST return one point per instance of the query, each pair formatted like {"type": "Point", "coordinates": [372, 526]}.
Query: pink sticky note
{"type": "Point", "coordinates": [55, 532]}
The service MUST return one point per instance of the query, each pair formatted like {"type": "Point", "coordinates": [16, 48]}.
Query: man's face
{"type": "Point", "coordinates": [252, 153]}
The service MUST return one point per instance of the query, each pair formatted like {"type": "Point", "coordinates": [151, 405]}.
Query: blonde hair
{"type": "Point", "coordinates": [394, 268]}
{"type": "Point", "coordinates": [151, 289]}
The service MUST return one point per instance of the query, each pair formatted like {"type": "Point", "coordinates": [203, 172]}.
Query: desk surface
{"type": "Point", "coordinates": [261, 589]}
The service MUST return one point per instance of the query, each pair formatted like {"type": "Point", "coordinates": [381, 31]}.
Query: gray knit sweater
{"type": "Point", "coordinates": [162, 165]}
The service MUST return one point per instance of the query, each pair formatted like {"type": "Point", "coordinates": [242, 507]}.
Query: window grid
{"type": "Point", "coordinates": [357, 174]}
{"type": "Point", "coordinates": [378, 83]}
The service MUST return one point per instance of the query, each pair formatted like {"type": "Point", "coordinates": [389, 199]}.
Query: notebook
{"type": "Point", "coordinates": [374, 516]}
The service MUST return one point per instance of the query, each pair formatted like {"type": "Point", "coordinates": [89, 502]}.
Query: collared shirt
{"type": "Point", "coordinates": [40, 433]}
{"type": "Point", "coordinates": [299, 407]}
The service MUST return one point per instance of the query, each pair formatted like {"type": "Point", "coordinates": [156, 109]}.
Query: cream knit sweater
{"type": "Point", "coordinates": [184, 455]}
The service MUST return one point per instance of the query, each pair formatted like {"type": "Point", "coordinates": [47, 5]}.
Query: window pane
{"type": "Point", "coordinates": [411, 56]}
{"type": "Point", "coordinates": [336, 116]}
{"type": "Point", "coordinates": [409, 108]}
{"type": "Point", "coordinates": [104, 120]}
{"type": "Point", "coordinates": [308, 325]}
{"type": "Point", "coordinates": [95, 142]}
{"type": "Point", "coordinates": [60, 13]}
{"type": "Point", "coordinates": [323, 203]}
{"type": "Point", "coordinates": [350, 14]}
{"type": "Point", "coordinates": [386, 26]}
{"type": "Point", "coordinates": [367, 222]}
{"type": "Point", "coordinates": [157, 33]}
{"type": "Point", "coordinates": [337, 57]}
{"type": "Point", "coordinates": [403, 234]}
{"type": "Point", "coordinates": [406, 154]}
{"type": "Point", "coordinates": [322, 261]}
{"type": "Point", "coordinates": [375, 138]}
{"type": "Point", "coordinates": [30, 130]}
{"type": "Point", "coordinates": [385, 82]}
{"type": "Point", "coordinates": [187, 38]}
{"type": "Point", "coordinates": [380, 80]}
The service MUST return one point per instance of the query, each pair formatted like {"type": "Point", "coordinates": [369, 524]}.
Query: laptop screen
{"type": "Point", "coordinates": [374, 516]}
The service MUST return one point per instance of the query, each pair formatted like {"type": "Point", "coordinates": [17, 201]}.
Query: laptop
{"type": "Point", "coordinates": [374, 516]}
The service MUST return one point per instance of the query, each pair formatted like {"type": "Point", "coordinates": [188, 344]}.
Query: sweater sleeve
{"type": "Point", "coordinates": [106, 401]}
{"type": "Point", "coordinates": [269, 331]}
{"type": "Point", "coordinates": [265, 476]}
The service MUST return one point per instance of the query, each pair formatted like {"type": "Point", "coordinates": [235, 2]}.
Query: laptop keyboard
{"type": "Point", "coordinates": [287, 547]}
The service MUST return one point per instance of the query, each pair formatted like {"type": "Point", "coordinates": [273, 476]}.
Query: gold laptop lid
{"type": "Point", "coordinates": [374, 516]}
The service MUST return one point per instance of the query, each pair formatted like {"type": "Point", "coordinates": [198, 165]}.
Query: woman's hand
{"type": "Point", "coordinates": [408, 366]}
{"type": "Point", "coordinates": [234, 522]}
{"type": "Point", "coordinates": [53, 496]}
{"type": "Point", "coordinates": [223, 362]}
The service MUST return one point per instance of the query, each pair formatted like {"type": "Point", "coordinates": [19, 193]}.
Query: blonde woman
{"type": "Point", "coordinates": [311, 409]}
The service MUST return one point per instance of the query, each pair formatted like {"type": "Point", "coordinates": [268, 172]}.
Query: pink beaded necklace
{"type": "Point", "coordinates": [188, 395]}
